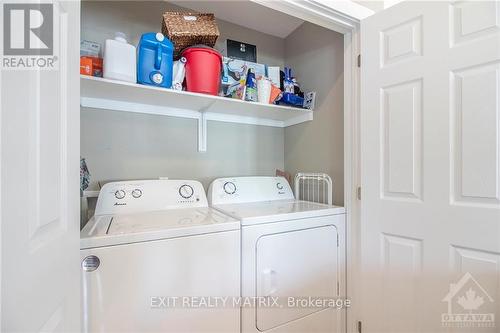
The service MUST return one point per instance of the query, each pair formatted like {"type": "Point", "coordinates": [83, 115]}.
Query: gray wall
{"type": "Point", "coordinates": [316, 55]}
{"type": "Point", "coordinates": [120, 145]}
{"type": "Point", "coordinates": [123, 145]}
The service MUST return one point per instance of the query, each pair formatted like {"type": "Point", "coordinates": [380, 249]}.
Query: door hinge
{"type": "Point", "coordinates": [360, 327]}
{"type": "Point", "coordinates": [358, 192]}
{"type": "Point", "coordinates": [359, 60]}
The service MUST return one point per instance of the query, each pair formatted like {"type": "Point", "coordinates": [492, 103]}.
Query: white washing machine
{"type": "Point", "coordinates": [153, 257]}
{"type": "Point", "coordinates": [292, 254]}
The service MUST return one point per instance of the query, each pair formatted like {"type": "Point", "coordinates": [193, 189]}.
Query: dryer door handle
{"type": "Point", "coordinates": [269, 282]}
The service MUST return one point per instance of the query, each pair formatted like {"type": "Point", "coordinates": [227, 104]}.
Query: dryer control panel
{"type": "Point", "coordinates": [248, 189]}
{"type": "Point", "coordinates": [149, 195]}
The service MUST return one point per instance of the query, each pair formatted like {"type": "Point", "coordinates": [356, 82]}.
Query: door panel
{"type": "Point", "coordinates": [474, 98]}
{"type": "Point", "coordinates": [40, 188]}
{"type": "Point", "coordinates": [430, 166]}
{"type": "Point", "coordinates": [402, 261]}
{"type": "Point", "coordinates": [471, 20]}
{"type": "Point", "coordinates": [313, 272]}
{"type": "Point", "coordinates": [273, 273]}
{"type": "Point", "coordinates": [401, 113]}
{"type": "Point", "coordinates": [147, 286]}
{"type": "Point", "coordinates": [402, 42]}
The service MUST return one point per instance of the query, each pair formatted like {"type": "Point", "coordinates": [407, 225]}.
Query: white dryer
{"type": "Point", "coordinates": [292, 254]}
{"type": "Point", "coordinates": [152, 253]}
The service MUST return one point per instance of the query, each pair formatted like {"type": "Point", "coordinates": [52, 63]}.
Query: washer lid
{"type": "Point", "coordinates": [108, 230]}
{"type": "Point", "coordinates": [277, 210]}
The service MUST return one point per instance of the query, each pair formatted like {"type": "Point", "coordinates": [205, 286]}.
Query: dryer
{"type": "Point", "coordinates": [152, 252]}
{"type": "Point", "coordinates": [292, 254]}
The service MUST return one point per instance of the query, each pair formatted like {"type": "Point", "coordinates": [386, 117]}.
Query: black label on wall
{"type": "Point", "coordinates": [240, 50]}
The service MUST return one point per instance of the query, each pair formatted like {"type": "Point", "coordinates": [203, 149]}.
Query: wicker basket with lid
{"type": "Point", "coordinates": [186, 29]}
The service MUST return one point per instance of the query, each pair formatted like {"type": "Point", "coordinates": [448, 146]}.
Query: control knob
{"type": "Point", "coordinates": [120, 194]}
{"type": "Point", "coordinates": [136, 193]}
{"type": "Point", "coordinates": [229, 187]}
{"type": "Point", "coordinates": [186, 191]}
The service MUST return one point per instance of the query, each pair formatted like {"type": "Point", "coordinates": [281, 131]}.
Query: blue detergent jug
{"type": "Point", "coordinates": [155, 60]}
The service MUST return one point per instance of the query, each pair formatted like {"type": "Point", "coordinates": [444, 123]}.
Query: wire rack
{"type": "Point", "coordinates": [315, 187]}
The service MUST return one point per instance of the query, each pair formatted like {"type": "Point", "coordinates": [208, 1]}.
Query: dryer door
{"type": "Point", "coordinates": [295, 265]}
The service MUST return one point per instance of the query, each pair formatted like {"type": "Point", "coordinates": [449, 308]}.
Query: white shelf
{"type": "Point", "coordinates": [106, 94]}
{"type": "Point", "coordinates": [130, 97]}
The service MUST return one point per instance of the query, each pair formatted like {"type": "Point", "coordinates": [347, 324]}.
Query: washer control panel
{"type": "Point", "coordinates": [149, 195]}
{"type": "Point", "coordinates": [248, 189]}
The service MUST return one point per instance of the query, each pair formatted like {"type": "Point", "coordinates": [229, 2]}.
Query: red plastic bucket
{"type": "Point", "coordinates": [203, 69]}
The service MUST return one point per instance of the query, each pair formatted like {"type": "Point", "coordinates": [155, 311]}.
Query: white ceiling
{"type": "Point", "coordinates": [247, 14]}
{"type": "Point", "coordinates": [376, 6]}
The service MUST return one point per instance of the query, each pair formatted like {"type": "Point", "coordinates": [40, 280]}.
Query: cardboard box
{"type": "Point", "coordinates": [91, 66]}
{"type": "Point", "coordinates": [235, 70]}
{"type": "Point", "coordinates": [273, 72]}
{"type": "Point", "coordinates": [90, 49]}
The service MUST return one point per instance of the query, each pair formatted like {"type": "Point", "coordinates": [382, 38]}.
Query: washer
{"type": "Point", "coordinates": [150, 256]}
{"type": "Point", "coordinates": [292, 252]}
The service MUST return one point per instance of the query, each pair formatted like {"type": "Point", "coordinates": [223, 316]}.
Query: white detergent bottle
{"type": "Point", "coordinates": [119, 59]}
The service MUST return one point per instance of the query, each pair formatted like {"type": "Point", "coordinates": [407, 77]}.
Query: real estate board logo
{"type": "Point", "coordinates": [28, 36]}
{"type": "Point", "coordinates": [469, 305]}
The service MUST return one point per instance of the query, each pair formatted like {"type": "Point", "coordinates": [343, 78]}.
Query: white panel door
{"type": "Point", "coordinates": [40, 276]}
{"type": "Point", "coordinates": [430, 240]}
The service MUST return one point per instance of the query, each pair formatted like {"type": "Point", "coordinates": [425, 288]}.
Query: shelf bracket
{"type": "Point", "coordinates": [202, 133]}
{"type": "Point", "coordinates": [202, 128]}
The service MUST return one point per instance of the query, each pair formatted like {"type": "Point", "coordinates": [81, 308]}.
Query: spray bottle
{"type": "Point", "coordinates": [251, 87]}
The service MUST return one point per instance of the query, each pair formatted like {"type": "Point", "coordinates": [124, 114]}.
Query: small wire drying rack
{"type": "Point", "coordinates": [314, 187]}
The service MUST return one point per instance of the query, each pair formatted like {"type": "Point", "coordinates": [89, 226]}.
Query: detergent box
{"type": "Point", "coordinates": [234, 74]}
{"type": "Point", "coordinates": [236, 69]}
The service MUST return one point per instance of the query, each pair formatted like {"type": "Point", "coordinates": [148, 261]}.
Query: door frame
{"type": "Point", "coordinates": [352, 172]}
{"type": "Point", "coordinates": [1, 222]}
{"type": "Point", "coordinates": [342, 17]}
